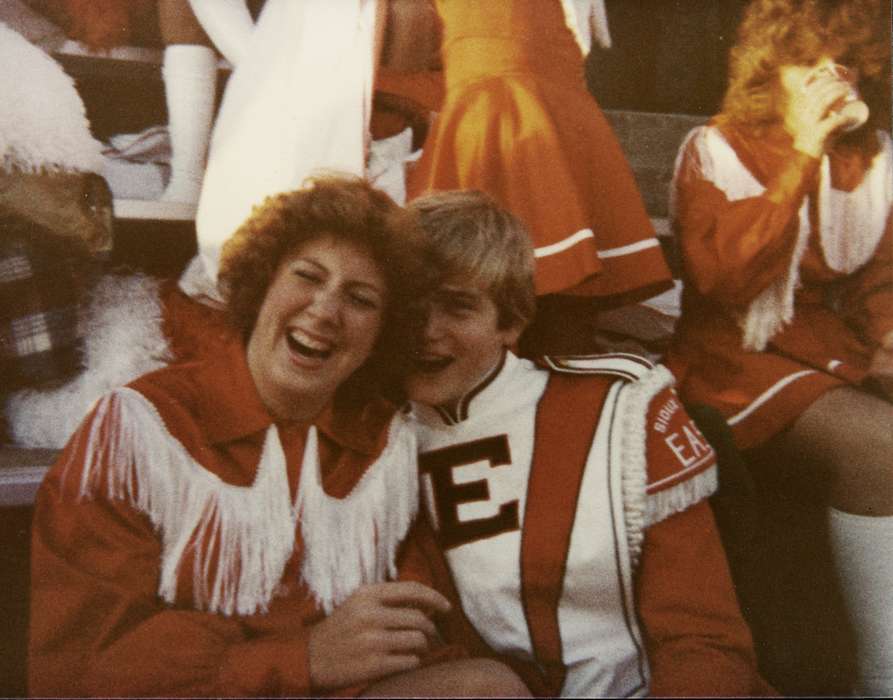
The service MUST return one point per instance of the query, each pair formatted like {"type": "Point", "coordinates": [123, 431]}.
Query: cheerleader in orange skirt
{"type": "Point", "coordinates": [519, 124]}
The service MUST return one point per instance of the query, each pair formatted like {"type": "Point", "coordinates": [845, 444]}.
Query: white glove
{"type": "Point", "coordinates": [227, 23]}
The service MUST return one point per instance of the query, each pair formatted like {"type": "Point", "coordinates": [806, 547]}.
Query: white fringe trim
{"type": "Point", "coordinates": [353, 541]}
{"type": "Point", "coordinates": [684, 495]}
{"type": "Point", "coordinates": [251, 528]}
{"type": "Point", "coordinates": [851, 224]}
{"type": "Point", "coordinates": [43, 124]}
{"type": "Point", "coordinates": [121, 326]}
{"type": "Point", "coordinates": [632, 414]}
{"type": "Point", "coordinates": [242, 537]}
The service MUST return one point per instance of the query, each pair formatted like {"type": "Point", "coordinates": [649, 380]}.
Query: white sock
{"type": "Point", "coordinates": [228, 24]}
{"type": "Point", "coordinates": [190, 85]}
{"type": "Point", "coordinates": [862, 548]}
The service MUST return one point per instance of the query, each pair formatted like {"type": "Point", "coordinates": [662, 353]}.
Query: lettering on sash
{"type": "Point", "coordinates": [448, 495]}
{"type": "Point", "coordinates": [688, 444]}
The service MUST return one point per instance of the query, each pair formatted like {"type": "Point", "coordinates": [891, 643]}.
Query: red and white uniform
{"type": "Point", "coordinates": [544, 490]}
{"type": "Point", "coordinates": [185, 543]}
{"type": "Point", "coordinates": [788, 272]}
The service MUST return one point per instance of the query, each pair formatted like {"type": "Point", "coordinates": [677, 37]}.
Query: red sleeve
{"type": "Point", "coordinates": [733, 250]}
{"type": "Point", "coordinates": [698, 644]}
{"type": "Point", "coordinates": [697, 641]}
{"type": "Point", "coordinates": [98, 626]}
{"type": "Point", "coordinates": [868, 301]}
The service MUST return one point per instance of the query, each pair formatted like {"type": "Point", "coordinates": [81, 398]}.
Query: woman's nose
{"type": "Point", "coordinates": [326, 304]}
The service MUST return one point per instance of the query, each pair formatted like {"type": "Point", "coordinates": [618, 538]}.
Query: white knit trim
{"type": "Point", "coordinates": [245, 535]}
{"type": "Point", "coordinates": [630, 423]}
{"type": "Point", "coordinates": [43, 124]}
{"type": "Point", "coordinates": [353, 541]}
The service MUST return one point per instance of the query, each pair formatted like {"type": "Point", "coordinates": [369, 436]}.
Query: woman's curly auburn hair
{"type": "Point", "coordinates": [774, 33]}
{"type": "Point", "coordinates": [349, 209]}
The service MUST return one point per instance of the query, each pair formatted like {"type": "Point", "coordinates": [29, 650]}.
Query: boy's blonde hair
{"type": "Point", "coordinates": [470, 235]}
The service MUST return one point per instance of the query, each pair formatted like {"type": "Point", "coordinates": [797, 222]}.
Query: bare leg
{"type": "Point", "coordinates": [467, 678]}
{"type": "Point", "coordinates": [849, 433]}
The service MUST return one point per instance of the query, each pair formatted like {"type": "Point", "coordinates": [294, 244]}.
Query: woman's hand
{"type": "Point", "coordinates": [381, 629]}
{"type": "Point", "coordinates": [881, 367]}
{"type": "Point", "coordinates": [808, 116]}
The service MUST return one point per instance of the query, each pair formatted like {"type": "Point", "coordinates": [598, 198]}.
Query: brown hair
{"type": "Point", "coordinates": [347, 208]}
{"type": "Point", "coordinates": [774, 33]}
{"type": "Point", "coordinates": [469, 234]}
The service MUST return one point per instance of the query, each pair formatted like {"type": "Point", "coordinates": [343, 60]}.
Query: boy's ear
{"type": "Point", "coordinates": [511, 333]}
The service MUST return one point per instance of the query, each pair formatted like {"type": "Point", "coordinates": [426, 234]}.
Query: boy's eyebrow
{"type": "Point", "coordinates": [458, 293]}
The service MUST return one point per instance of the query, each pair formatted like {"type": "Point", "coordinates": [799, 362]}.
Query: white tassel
{"type": "Point", "coordinates": [353, 540]}
{"type": "Point", "coordinates": [245, 535]}
{"type": "Point", "coordinates": [43, 124]}
{"type": "Point", "coordinates": [773, 308]}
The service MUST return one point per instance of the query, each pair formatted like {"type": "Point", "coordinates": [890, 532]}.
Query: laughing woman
{"type": "Point", "coordinates": [234, 526]}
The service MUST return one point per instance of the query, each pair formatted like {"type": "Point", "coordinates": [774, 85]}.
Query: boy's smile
{"type": "Point", "coordinates": [462, 342]}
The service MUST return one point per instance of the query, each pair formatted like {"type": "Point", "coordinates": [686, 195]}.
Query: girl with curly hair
{"type": "Point", "coordinates": [782, 206]}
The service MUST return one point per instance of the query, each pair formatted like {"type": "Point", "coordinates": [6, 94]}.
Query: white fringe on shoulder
{"type": "Point", "coordinates": [632, 414]}
{"type": "Point", "coordinates": [354, 540]}
{"type": "Point", "coordinates": [43, 124]}
{"type": "Point", "coordinates": [131, 456]}
{"type": "Point", "coordinates": [123, 338]}
{"type": "Point", "coordinates": [243, 537]}
{"type": "Point", "coordinates": [641, 511]}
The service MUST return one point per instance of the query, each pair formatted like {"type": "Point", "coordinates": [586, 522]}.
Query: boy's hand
{"type": "Point", "coordinates": [381, 629]}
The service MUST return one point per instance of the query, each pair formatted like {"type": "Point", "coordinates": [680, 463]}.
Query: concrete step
{"type": "Point", "coordinates": [651, 142]}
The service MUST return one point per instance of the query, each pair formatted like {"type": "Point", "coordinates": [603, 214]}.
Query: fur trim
{"type": "Point", "coordinates": [43, 124]}
{"type": "Point", "coordinates": [354, 540]}
{"type": "Point", "coordinates": [123, 338]}
{"type": "Point", "coordinates": [632, 414]}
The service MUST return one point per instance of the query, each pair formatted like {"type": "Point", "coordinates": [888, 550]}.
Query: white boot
{"type": "Point", "coordinates": [228, 24]}
{"type": "Point", "coordinates": [862, 549]}
{"type": "Point", "coordinates": [190, 85]}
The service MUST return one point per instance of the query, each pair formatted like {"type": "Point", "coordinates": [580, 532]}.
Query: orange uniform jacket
{"type": "Point", "coordinates": [738, 238]}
